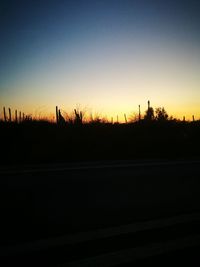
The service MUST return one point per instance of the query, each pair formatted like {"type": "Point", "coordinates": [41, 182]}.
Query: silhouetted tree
{"type": "Point", "coordinates": [161, 114]}
{"type": "Point", "coordinates": [149, 113]}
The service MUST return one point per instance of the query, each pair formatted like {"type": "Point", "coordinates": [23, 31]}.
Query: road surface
{"type": "Point", "coordinates": [48, 202]}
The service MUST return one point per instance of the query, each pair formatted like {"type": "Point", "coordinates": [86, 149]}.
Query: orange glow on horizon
{"type": "Point", "coordinates": [48, 113]}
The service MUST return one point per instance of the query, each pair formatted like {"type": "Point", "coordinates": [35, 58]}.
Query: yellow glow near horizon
{"type": "Point", "coordinates": [107, 56]}
{"type": "Point", "coordinates": [111, 81]}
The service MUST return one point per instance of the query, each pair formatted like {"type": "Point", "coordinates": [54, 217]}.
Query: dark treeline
{"type": "Point", "coordinates": [35, 141]}
{"type": "Point", "coordinates": [78, 117]}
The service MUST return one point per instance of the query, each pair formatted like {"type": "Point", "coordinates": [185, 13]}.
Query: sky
{"type": "Point", "coordinates": [105, 56]}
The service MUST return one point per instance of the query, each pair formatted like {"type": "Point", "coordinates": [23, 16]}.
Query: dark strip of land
{"type": "Point", "coordinates": [43, 142]}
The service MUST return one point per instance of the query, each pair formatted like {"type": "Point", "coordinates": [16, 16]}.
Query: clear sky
{"type": "Point", "coordinates": [106, 55]}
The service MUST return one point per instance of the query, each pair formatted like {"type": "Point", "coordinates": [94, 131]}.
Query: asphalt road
{"type": "Point", "coordinates": [47, 201]}
{"type": "Point", "coordinates": [111, 212]}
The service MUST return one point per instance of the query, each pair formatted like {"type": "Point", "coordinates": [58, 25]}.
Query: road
{"type": "Point", "coordinates": [40, 202]}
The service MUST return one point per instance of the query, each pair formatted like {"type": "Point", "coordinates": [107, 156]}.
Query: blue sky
{"type": "Point", "coordinates": [108, 56]}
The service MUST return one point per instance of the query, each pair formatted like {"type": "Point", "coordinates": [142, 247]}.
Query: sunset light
{"type": "Point", "coordinates": [106, 56]}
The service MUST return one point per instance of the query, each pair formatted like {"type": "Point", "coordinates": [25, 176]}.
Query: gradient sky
{"type": "Point", "coordinates": [107, 55]}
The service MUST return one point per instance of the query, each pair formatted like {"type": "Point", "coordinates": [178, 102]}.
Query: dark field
{"type": "Point", "coordinates": [61, 181]}
{"type": "Point", "coordinates": [43, 142]}
{"type": "Point", "coordinates": [41, 203]}
{"type": "Point", "coordinates": [46, 203]}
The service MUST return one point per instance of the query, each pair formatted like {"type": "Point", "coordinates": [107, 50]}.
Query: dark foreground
{"type": "Point", "coordinates": [37, 142]}
{"type": "Point", "coordinates": [123, 206]}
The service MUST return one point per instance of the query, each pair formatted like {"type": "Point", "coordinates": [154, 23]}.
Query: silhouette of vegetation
{"type": "Point", "coordinates": [156, 135]}
{"type": "Point", "coordinates": [78, 117]}
{"type": "Point", "coordinates": [161, 114]}
{"type": "Point", "coordinates": [149, 113]}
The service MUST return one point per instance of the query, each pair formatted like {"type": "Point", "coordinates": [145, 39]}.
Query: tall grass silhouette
{"type": "Point", "coordinates": [152, 135]}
